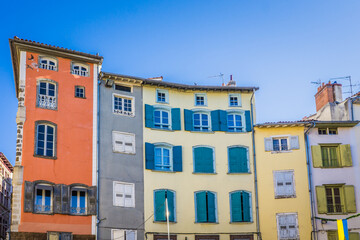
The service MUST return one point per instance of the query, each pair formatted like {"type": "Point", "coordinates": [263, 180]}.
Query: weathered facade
{"type": "Point", "coordinates": [6, 172]}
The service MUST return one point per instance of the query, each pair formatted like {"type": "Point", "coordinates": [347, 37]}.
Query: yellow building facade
{"type": "Point", "coordinates": [284, 201]}
{"type": "Point", "coordinates": [201, 197]}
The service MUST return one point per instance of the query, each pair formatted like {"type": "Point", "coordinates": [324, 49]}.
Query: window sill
{"type": "Point", "coordinates": [162, 171]}
{"type": "Point", "coordinates": [44, 213]}
{"type": "Point", "coordinates": [238, 173]}
{"type": "Point", "coordinates": [335, 213]}
{"type": "Point", "coordinates": [194, 131]}
{"type": "Point", "coordinates": [54, 109]}
{"type": "Point", "coordinates": [128, 153]}
{"type": "Point", "coordinates": [285, 197]}
{"type": "Point", "coordinates": [333, 167]}
{"type": "Point", "coordinates": [228, 132]}
{"type": "Point", "coordinates": [241, 222]}
{"type": "Point", "coordinates": [205, 173]}
{"type": "Point", "coordinates": [236, 106]}
{"type": "Point", "coordinates": [164, 222]}
{"type": "Point", "coordinates": [206, 222]}
{"type": "Point", "coordinates": [123, 206]}
{"type": "Point", "coordinates": [125, 115]}
{"type": "Point", "coordinates": [79, 75]}
{"type": "Point", "coordinates": [80, 97]}
{"type": "Point", "coordinates": [46, 157]}
{"type": "Point", "coordinates": [163, 129]}
{"type": "Point", "coordinates": [275, 152]}
{"type": "Point", "coordinates": [162, 102]}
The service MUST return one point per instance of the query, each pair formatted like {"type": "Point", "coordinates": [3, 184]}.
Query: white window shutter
{"type": "Point", "coordinates": [129, 195]}
{"type": "Point", "coordinates": [130, 235]}
{"type": "Point", "coordinates": [289, 184]}
{"type": "Point", "coordinates": [292, 226]}
{"type": "Point", "coordinates": [118, 142]}
{"type": "Point", "coordinates": [129, 146]}
{"type": "Point", "coordinates": [268, 144]}
{"type": "Point", "coordinates": [294, 142]}
{"type": "Point", "coordinates": [118, 234]}
{"type": "Point", "coordinates": [119, 194]}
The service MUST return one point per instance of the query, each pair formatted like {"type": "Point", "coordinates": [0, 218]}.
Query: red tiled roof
{"type": "Point", "coordinates": [6, 162]}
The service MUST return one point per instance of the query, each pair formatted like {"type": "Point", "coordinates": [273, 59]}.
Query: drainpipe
{"type": "Point", "coordinates": [98, 158]}
{"type": "Point", "coordinates": [312, 205]}
{"type": "Point", "coordinates": [255, 172]}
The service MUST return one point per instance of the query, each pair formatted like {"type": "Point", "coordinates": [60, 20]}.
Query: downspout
{"type": "Point", "coordinates": [352, 108]}
{"type": "Point", "coordinates": [255, 172]}
{"type": "Point", "coordinates": [312, 205]}
{"type": "Point", "coordinates": [98, 158]}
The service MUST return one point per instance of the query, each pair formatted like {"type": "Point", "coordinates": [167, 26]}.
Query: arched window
{"type": "Point", "coordinates": [45, 139]}
{"type": "Point", "coordinates": [163, 157]}
{"type": "Point", "coordinates": [46, 97]}
{"type": "Point", "coordinates": [204, 159]}
{"type": "Point", "coordinates": [43, 198]}
{"type": "Point", "coordinates": [235, 122]}
{"type": "Point", "coordinates": [201, 121]}
{"type": "Point", "coordinates": [160, 197]}
{"type": "Point", "coordinates": [80, 69]}
{"type": "Point", "coordinates": [48, 63]}
{"type": "Point", "coordinates": [205, 207]}
{"type": "Point", "coordinates": [161, 118]}
{"type": "Point", "coordinates": [240, 206]}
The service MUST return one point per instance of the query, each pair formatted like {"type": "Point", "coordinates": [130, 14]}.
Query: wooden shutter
{"type": "Point", "coordinates": [171, 205]}
{"type": "Point", "coordinates": [91, 200]}
{"type": "Point", "coordinates": [294, 142]}
{"type": "Point", "coordinates": [118, 142]}
{"type": "Point", "coordinates": [129, 143]}
{"type": "Point", "coordinates": [238, 160]}
{"type": "Point", "coordinates": [292, 226]}
{"type": "Point", "coordinates": [119, 191]}
{"type": "Point", "coordinates": [129, 195]}
{"type": "Point", "coordinates": [236, 210]}
{"type": "Point", "coordinates": [149, 156]}
{"type": "Point", "coordinates": [200, 198]}
{"type": "Point", "coordinates": [204, 160]}
{"type": "Point", "coordinates": [350, 199]}
{"type": "Point", "coordinates": [29, 196]}
{"type": "Point", "coordinates": [211, 207]}
{"type": "Point", "coordinates": [160, 210]}
{"type": "Point", "coordinates": [321, 199]}
{"type": "Point", "coordinates": [223, 120]}
{"type": "Point", "coordinates": [215, 120]}
{"type": "Point", "coordinates": [279, 184]}
{"type": "Point", "coordinates": [65, 236]}
{"type": "Point", "coordinates": [248, 121]}
{"type": "Point", "coordinates": [268, 144]}
{"type": "Point", "coordinates": [149, 118]}
{"type": "Point", "coordinates": [289, 183]}
{"type": "Point", "coordinates": [177, 158]}
{"type": "Point", "coordinates": [175, 119]}
{"type": "Point", "coordinates": [188, 120]}
{"type": "Point", "coordinates": [65, 199]}
{"type": "Point", "coordinates": [345, 155]}
{"type": "Point", "coordinates": [246, 206]}
{"type": "Point", "coordinates": [316, 156]}
{"type": "Point", "coordinates": [354, 236]}
{"type": "Point", "coordinates": [57, 198]}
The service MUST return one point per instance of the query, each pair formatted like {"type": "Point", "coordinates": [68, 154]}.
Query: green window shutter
{"type": "Point", "coordinates": [188, 120]}
{"type": "Point", "coordinates": [223, 120]}
{"type": "Point", "coordinates": [321, 199]}
{"type": "Point", "coordinates": [203, 160]}
{"type": "Point", "coordinates": [211, 207]}
{"type": "Point", "coordinates": [177, 158]}
{"type": "Point", "coordinates": [350, 199]}
{"type": "Point", "coordinates": [149, 118]}
{"type": "Point", "coordinates": [238, 160]}
{"type": "Point", "coordinates": [246, 206]}
{"type": "Point", "coordinates": [215, 120]}
{"type": "Point", "coordinates": [248, 121]}
{"type": "Point", "coordinates": [236, 211]}
{"type": "Point", "coordinates": [175, 119]}
{"type": "Point", "coordinates": [345, 155]}
{"type": "Point", "coordinates": [200, 199]}
{"type": "Point", "coordinates": [316, 156]}
{"type": "Point", "coordinates": [354, 236]}
{"type": "Point", "coordinates": [171, 204]}
{"type": "Point", "coordinates": [159, 207]}
{"type": "Point", "coordinates": [149, 156]}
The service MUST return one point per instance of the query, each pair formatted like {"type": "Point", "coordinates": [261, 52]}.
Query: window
{"type": "Point", "coordinates": [43, 199]}
{"type": "Point", "coordinates": [235, 122]}
{"type": "Point", "coordinates": [80, 69]}
{"type": "Point", "coordinates": [59, 236]}
{"type": "Point", "coordinates": [200, 99]}
{"type": "Point", "coordinates": [201, 122]}
{"type": "Point", "coordinates": [333, 235]}
{"type": "Point", "coordinates": [160, 197]}
{"type": "Point", "coordinates": [204, 159]}
{"type": "Point", "coordinates": [331, 156]}
{"type": "Point", "coordinates": [122, 234]}
{"type": "Point", "coordinates": [123, 105]}
{"type": "Point", "coordinates": [332, 131]}
{"type": "Point", "coordinates": [79, 92]}
{"type": "Point", "coordinates": [48, 63]}
{"type": "Point", "coordinates": [122, 88]}
{"type": "Point", "coordinates": [234, 100]}
{"type": "Point", "coordinates": [241, 237]}
{"type": "Point", "coordinates": [206, 237]}
{"type": "Point", "coordinates": [205, 207]}
{"type": "Point", "coordinates": [287, 225]}
{"type": "Point", "coordinates": [284, 184]}
{"type": "Point", "coordinates": [335, 199]}
{"type": "Point", "coordinates": [78, 201]}
{"type": "Point", "coordinates": [161, 119]}
{"type": "Point", "coordinates": [123, 142]}
{"type": "Point", "coordinates": [46, 97]}
{"type": "Point", "coordinates": [281, 143]}
{"type": "Point", "coordinates": [325, 131]}
{"type": "Point", "coordinates": [238, 158]}
{"type": "Point", "coordinates": [322, 131]}
{"type": "Point", "coordinates": [164, 237]}
{"type": "Point", "coordinates": [45, 136]}
{"type": "Point", "coordinates": [163, 157]}
{"type": "Point", "coordinates": [124, 194]}
{"type": "Point", "coordinates": [240, 206]}
{"type": "Point", "coordinates": [162, 96]}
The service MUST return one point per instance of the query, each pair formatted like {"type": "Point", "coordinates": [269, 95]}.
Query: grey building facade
{"type": "Point", "coordinates": [121, 181]}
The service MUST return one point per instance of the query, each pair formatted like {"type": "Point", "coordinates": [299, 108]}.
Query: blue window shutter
{"type": "Point", "coordinates": [177, 158]}
{"type": "Point", "coordinates": [248, 121]}
{"type": "Point", "coordinates": [149, 156]}
{"type": "Point", "coordinates": [215, 120]}
{"type": "Point", "coordinates": [175, 119]}
{"type": "Point", "coordinates": [236, 211]}
{"type": "Point", "coordinates": [223, 120]}
{"type": "Point", "coordinates": [246, 206]}
{"type": "Point", "coordinates": [160, 214]}
{"type": "Point", "coordinates": [149, 118]}
{"type": "Point", "coordinates": [200, 199]}
{"type": "Point", "coordinates": [171, 204]}
{"type": "Point", "coordinates": [204, 160]}
{"type": "Point", "coordinates": [238, 160]}
{"type": "Point", "coordinates": [211, 207]}
{"type": "Point", "coordinates": [188, 120]}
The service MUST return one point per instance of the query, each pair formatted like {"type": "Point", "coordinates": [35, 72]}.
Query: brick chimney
{"type": "Point", "coordinates": [328, 93]}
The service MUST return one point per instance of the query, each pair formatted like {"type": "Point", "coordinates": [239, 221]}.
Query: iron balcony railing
{"type": "Point", "coordinates": [47, 66]}
{"type": "Point", "coordinates": [80, 72]}
{"type": "Point", "coordinates": [78, 210]}
{"type": "Point", "coordinates": [42, 208]}
{"type": "Point", "coordinates": [127, 113]}
{"type": "Point", "coordinates": [46, 101]}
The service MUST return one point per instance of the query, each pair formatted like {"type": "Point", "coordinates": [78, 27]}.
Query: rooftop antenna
{"type": "Point", "coordinates": [348, 78]}
{"type": "Point", "coordinates": [318, 82]}
{"type": "Point", "coordinates": [221, 75]}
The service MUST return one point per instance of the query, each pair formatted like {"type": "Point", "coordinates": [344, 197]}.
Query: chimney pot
{"type": "Point", "coordinates": [328, 93]}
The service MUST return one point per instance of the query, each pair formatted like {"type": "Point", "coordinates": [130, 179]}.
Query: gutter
{"type": "Point", "coordinates": [98, 162]}
{"type": "Point", "coordinates": [312, 205]}
{"type": "Point", "coordinates": [255, 172]}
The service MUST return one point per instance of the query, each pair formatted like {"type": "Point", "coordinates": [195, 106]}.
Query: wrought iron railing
{"type": "Point", "coordinates": [127, 113]}
{"type": "Point", "coordinates": [80, 72]}
{"type": "Point", "coordinates": [42, 208]}
{"type": "Point", "coordinates": [47, 66]}
{"type": "Point", "coordinates": [45, 101]}
{"type": "Point", "coordinates": [77, 210]}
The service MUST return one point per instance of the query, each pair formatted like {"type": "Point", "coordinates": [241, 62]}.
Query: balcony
{"type": "Point", "coordinates": [47, 66]}
{"type": "Point", "coordinates": [78, 210]}
{"type": "Point", "coordinates": [42, 208]}
{"type": "Point", "coordinates": [82, 73]}
{"type": "Point", "coordinates": [48, 102]}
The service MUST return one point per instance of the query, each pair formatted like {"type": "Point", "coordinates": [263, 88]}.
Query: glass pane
{"type": "Point", "coordinates": [284, 144]}
{"type": "Point", "coordinates": [276, 145]}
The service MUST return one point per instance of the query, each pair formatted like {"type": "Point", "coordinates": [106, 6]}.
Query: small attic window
{"type": "Point", "coordinates": [48, 63]}
{"type": "Point", "coordinates": [80, 69]}
{"type": "Point", "coordinates": [122, 88]}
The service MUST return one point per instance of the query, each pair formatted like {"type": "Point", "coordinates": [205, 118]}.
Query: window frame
{"type": "Point", "coordinates": [243, 123]}
{"type": "Point", "coordinates": [342, 199]}
{"type": "Point", "coordinates": [278, 215]}
{"type": "Point", "coordinates": [238, 96]}
{"type": "Point", "coordinates": [80, 87]}
{"type": "Point", "coordinates": [162, 109]}
{"type": "Point", "coordinates": [80, 71]}
{"type": "Point", "coordinates": [48, 59]}
{"type": "Point", "coordinates": [279, 138]}
{"type": "Point", "coordinates": [201, 125]}
{"type": "Point", "coordinates": [78, 189]}
{"type": "Point", "coordinates": [123, 85]}
{"type": "Point", "coordinates": [128, 114]}
{"type": "Point", "coordinates": [58, 234]}
{"type": "Point", "coordinates": [215, 204]}
{"type": "Point", "coordinates": [44, 187]}
{"type": "Point", "coordinates": [132, 135]}
{"type": "Point", "coordinates": [171, 156]}
{"type": "Point", "coordinates": [338, 157]}
{"type": "Point", "coordinates": [132, 197]}
{"type": "Point", "coordinates": [248, 158]}
{"type": "Point", "coordinates": [164, 189]}
{"type": "Point", "coordinates": [204, 95]}
{"type": "Point", "coordinates": [124, 231]}
{"type": "Point", "coordinates": [162, 91]}
{"type": "Point", "coordinates": [47, 81]}
{"type": "Point", "coordinates": [214, 160]}
{"type": "Point", "coordinates": [277, 196]}
{"type": "Point", "coordinates": [242, 209]}
{"type": "Point", "coordinates": [46, 123]}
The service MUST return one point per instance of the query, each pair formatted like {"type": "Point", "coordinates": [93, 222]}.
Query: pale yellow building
{"type": "Point", "coordinates": [284, 201]}
{"type": "Point", "coordinates": [198, 156]}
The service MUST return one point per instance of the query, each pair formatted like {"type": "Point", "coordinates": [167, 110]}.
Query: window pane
{"type": "Point", "coordinates": [276, 146]}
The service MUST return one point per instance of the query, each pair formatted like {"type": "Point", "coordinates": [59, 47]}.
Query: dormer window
{"type": "Point", "coordinates": [80, 69]}
{"type": "Point", "coordinates": [48, 63]}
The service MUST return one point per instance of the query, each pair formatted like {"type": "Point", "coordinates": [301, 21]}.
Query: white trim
{"type": "Point", "coordinates": [94, 142]}
{"type": "Point", "coordinates": [170, 148]}
{"type": "Point", "coordinates": [201, 95]}
{"type": "Point", "coordinates": [238, 95]}
{"type": "Point", "coordinates": [114, 133]}
{"type": "Point", "coordinates": [208, 113]}
{"type": "Point", "coordinates": [163, 109]}
{"type": "Point", "coordinates": [293, 184]}
{"type": "Point", "coordinates": [132, 197]}
{"type": "Point", "coordinates": [166, 92]}
{"type": "Point", "coordinates": [124, 231]}
{"type": "Point", "coordinates": [278, 215]}
{"type": "Point", "coordinates": [127, 97]}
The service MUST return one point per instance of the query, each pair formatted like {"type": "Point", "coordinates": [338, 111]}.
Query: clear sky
{"type": "Point", "coordinates": [280, 45]}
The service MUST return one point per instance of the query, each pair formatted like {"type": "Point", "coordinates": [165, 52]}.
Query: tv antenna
{"type": "Point", "coordinates": [348, 78]}
{"type": "Point", "coordinates": [318, 82]}
{"type": "Point", "coordinates": [221, 75]}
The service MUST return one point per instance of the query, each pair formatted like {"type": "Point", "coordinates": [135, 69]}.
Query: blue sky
{"type": "Point", "coordinates": [280, 46]}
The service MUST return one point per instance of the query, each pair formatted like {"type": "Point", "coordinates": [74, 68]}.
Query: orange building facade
{"type": "Point", "coordinates": [55, 169]}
